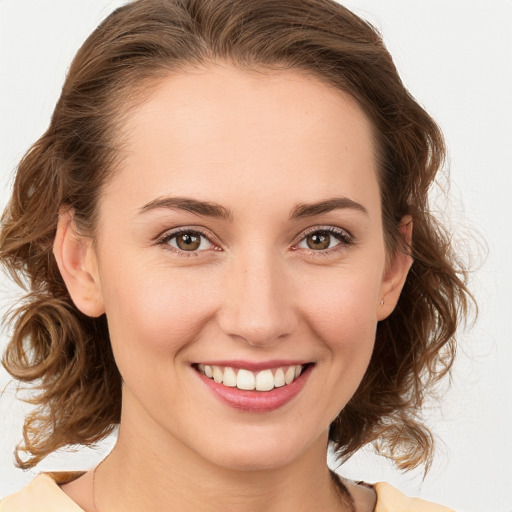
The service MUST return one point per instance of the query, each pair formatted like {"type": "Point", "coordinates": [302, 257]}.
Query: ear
{"type": "Point", "coordinates": [76, 259]}
{"type": "Point", "coordinates": [396, 272]}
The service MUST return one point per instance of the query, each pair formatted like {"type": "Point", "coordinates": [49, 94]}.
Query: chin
{"type": "Point", "coordinates": [261, 452]}
{"type": "Point", "coordinates": [255, 460]}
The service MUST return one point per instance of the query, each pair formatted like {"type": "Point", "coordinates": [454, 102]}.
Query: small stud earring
{"type": "Point", "coordinates": [382, 302]}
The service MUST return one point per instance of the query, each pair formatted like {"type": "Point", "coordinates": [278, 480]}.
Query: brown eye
{"type": "Point", "coordinates": [189, 241]}
{"type": "Point", "coordinates": [318, 241]}
{"type": "Point", "coordinates": [323, 240]}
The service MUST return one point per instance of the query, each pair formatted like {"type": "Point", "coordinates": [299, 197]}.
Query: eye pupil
{"type": "Point", "coordinates": [188, 242]}
{"type": "Point", "coordinates": [319, 241]}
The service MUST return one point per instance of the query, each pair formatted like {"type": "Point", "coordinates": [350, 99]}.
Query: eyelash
{"type": "Point", "coordinates": [165, 239]}
{"type": "Point", "coordinates": [345, 239]}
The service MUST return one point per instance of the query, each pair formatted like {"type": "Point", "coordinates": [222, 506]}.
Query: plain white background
{"type": "Point", "coordinates": [456, 58]}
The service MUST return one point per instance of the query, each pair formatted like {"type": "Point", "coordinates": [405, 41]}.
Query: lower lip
{"type": "Point", "coordinates": [257, 401]}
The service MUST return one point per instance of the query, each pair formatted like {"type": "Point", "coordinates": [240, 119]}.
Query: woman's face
{"type": "Point", "coordinates": [241, 238]}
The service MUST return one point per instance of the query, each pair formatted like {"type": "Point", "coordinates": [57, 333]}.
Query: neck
{"type": "Point", "coordinates": [149, 470]}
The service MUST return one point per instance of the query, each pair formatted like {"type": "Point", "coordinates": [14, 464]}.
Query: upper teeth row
{"type": "Point", "coordinates": [247, 380]}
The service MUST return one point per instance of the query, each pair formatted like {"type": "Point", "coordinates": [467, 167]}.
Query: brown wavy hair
{"type": "Point", "coordinates": [66, 356]}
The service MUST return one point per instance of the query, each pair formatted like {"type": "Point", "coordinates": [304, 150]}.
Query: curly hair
{"type": "Point", "coordinates": [66, 356]}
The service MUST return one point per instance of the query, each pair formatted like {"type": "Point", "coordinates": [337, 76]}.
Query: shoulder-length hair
{"type": "Point", "coordinates": [67, 356]}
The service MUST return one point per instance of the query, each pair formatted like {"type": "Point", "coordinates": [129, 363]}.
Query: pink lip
{"type": "Point", "coordinates": [256, 401]}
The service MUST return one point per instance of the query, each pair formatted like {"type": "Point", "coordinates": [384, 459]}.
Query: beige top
{"type": "Point", "coordinates": [43, 494]}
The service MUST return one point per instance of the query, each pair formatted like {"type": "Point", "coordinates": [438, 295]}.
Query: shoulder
{"type": "Point", "coordinates": [390, 499]}
{"type": "Point", "coordinates": [383, 497]}
{"type": "Point", "coordinates": [43, 494]}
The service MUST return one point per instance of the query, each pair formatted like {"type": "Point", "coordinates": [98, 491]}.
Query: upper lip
{"type": "Point", "coordinates": [255, 366]}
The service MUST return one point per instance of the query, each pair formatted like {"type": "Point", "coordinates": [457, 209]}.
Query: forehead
{"type": "Point", "coordinates": [204, 130]}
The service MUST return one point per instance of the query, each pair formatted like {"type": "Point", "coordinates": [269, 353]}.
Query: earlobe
{"type": "Point", "coordinates": [76, 259]}
{"type": "Point", "coordinates": [396, 272]}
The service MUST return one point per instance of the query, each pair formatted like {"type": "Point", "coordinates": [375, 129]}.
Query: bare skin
{"type": "Point", "coordinates": [290, 265]}
{"type": "Point", "coordinates": [81, 491]}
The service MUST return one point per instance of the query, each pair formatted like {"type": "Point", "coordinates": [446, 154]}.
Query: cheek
{"type": "Point", "coordinates": [342, 301]}
{"type": "Point", "coordinates": [155, 313]}
{"type": "Point", "coordinates": [341, 315]}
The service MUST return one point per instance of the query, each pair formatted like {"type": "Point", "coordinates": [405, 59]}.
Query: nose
{"type": "Point", "coordinates": [258, 301]}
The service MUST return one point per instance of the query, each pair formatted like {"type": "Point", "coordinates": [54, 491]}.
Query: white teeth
{"type": "Point", "coordinates": [245, 380]}
{"type": "Point", "coordinates": [289, 376]}
{"type": "Point", "coordinates": [264, 381]}
{"type": "Point", "coordinates": [229, 378]}
{"type": "Point", "coordinates": [217, 374]}
{"type": "Point", "coordinates": [279, 378]}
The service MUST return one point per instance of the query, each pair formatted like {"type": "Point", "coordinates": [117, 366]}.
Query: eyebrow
{"type": "Point", "coordinates": [215, 210]}
{"type": "Point", "coordinates": [336, 203]}
{"type": "Point", "coordinates": [190, 205]}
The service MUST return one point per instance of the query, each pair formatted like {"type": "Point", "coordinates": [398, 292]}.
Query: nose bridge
{"type": "Point", "coordinates": [258, 304]}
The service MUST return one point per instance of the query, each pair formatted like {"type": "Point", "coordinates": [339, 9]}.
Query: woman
{"type": "Point", "coordinates": [226, 238]}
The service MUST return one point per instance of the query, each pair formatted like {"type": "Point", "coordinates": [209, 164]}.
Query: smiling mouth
{"type": "Point", "coordinates": [264, 380]}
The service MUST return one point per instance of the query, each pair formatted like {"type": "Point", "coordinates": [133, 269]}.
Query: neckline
{"type": "Point", "coordinates": [64, 477]}
{"type": "Point", "coordinates": [58, 478]}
